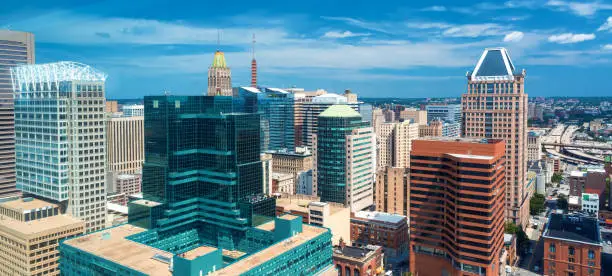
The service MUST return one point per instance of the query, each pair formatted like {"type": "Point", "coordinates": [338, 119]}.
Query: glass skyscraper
{"type": "Point", "coordinates": [345, 158]}
{"type": "Point", "coordinates": [203, 211]}
{"type": "Point", "coordinates": [276, 107]}
{"type": "Point", "coordinates": [60, 137]}
{"type": "Point", "coordinates": [202, 163]}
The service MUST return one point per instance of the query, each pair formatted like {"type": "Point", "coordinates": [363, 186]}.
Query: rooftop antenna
{"type": "Point", "coordinates": [218, 40]}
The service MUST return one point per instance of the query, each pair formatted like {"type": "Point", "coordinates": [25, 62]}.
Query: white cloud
{"type": "Point", "coordinates": [607, 26]}
{"type": "Point", "coordinates": [435, 8]}
{"type": "Point", "coordinates": [428, 25]}
{"type": "Point", "coordinates": [607, 47]}
{"type": "Point", "coordinates": [514, 36]}
{"type": "Point", "coordinates": [567, 38]}
{"type": "Point", "coordinates": [512, 18]}
{"type": "Point", "coordinates": [475, 30]}
{"type": "Point", "coordinates": [345, 34]}
{"type": "Point", "coordinates": [358, 23]}
{"type": "Point", "coordinates": [578, 8]}
{"type": "Point", "coordinates": [70, 28]}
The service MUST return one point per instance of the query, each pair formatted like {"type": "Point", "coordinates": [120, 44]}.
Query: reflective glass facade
{"type": "Point", "coordinates": [202, 161]}
{"type": "Point", "coordinates": [60, 137]}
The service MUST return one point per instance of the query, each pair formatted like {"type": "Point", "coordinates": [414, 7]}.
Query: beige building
{"type": "Point", "coordinates": [392, 193]}
{"type": "Point", "coordinates": [378, 118]}
{"type": "Point", "coordinates": [266, 164]}
{"type": "Point", "coordinates": [334, 216]}
{"type": "Point", "coordinates": [495, 107]}
{"type": "Point", "coordinates": [16, 48]}
{"type": "Point", "coordinates": [291, 162]}
{"type": "Point", "coordinates": [433, 129]}
{"type": "Point", "coordinates": [128, 184]}
{"type": "Point", "coordinates": [534, 146]}
{"type": "Point", "coordinates": [414, 115]}
{"type": "Point", "coordinates": [283, 183]}
{"type": "Point", "coordinates": [394, 141]}
{"type": "Point", "coordinates": [111, 107]}
{"type": "Point", "coordinates": [219, 77]}
{"type": "Point", "coordinates": [125, 144]}
{"type": "Point", "coordinates": [30, 233]}
{"type": "Point", "coordinates": [350, 97]}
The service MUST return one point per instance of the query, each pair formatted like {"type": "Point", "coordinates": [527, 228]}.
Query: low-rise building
{"type": "Point", "coordinates": [414, 115]}
{"type": "Point", "coordinates": [387, 230]}
{"type": "Point", "coordinates": [283, 183]}
{"type": "Point", "coordinates": [334, 216]}
{"type": "Point", "coordinates": [351, 260]}
{"type": "Point", "coordinates": [510, 247]}
{"type": "Point", "coordinates": [572, 245]}
{"type": "Point", "coordinates": [590, 204]}
{"type": "Point", "coordinates": [534, 146]}
{"type": "Point", "coordinates": [30, 233]}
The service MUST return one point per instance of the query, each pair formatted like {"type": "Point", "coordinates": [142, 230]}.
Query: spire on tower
{"type": "Point", "coordinates": [253, 65]}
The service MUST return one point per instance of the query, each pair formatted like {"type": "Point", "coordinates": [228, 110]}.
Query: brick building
{"type": "Point", "coordinates": [457, 200]}
{"type": "Point", "coordinates": [387, 230]}
{"type": "Point", "coordinates": [353, 261]}
{"type": "Point", "coordinates": [572, 246]}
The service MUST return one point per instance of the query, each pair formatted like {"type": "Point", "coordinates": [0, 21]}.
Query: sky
{"type": "Point", "coordinates": [404, 49]}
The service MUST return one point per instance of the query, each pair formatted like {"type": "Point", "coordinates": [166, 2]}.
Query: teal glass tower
{"type": "Point", "coordinates": [276, 107]}
{"type": "Point", "coordinates": [202, 163]}
{"type": "Point", "coordinates": [345, 152]}
{"type": "Point", "coordinates": [203, 211]}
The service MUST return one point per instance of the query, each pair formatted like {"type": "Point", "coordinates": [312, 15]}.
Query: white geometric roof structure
{"type": "Point", "coordinates": [54, 72]}
{"type": "Point", "coordinates": [330, 98]}
{"type": "Point", "coordinates": [494, 64]}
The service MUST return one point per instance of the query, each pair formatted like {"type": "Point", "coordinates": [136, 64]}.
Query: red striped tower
{"type": "Point", "coordinates": [253, 66]}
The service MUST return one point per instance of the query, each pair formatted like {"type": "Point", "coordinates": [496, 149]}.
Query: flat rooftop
{"type": "Point", "coordinates": [578, 174]}
{"type": "Point", "coordinates": [197, 252]}
{"type": "Point", "coordinates": [380, 216]}
{"type": "Point", "coordinates": [308, 233]}
{"type": "Point", "coordinates": [26, 204]}
{"type": "Point", "coordinates": [301, 205]}
{"type": "Point", "coordinates": [471, 156]}
{"type": "Point", "coordinates": [146, 202]}
{"type": "Point", "coordinates": [356, 253]}
{"type": "Point", "coordinates": [111, 244]}
{"type": "Point", "coordinates": [577, 228]}
{"type": "Point", "coordinates": [460, 139]}
{"type": "Point", "coordinates": [39, 225]}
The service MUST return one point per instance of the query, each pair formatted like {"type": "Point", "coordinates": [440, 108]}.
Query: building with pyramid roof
{"type": "Point", "coordinates": [219, 76]}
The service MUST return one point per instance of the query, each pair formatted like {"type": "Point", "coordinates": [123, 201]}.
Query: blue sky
{"type": "Point", "coordinates": [375, 48]}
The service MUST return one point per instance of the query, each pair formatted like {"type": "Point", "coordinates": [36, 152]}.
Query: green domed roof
{"type": "Point", "coordinates": [219, 60]}
{"type": "Point", "coordinates": [340, 110]}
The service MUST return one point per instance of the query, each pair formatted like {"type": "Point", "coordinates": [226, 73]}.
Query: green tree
{"type": "Point", "coordinates": [562, 202]}
{"type": "Point", "coordinates": [557, 177]}
{"type": "Point", "coordinates": [537, 204]}
{"type": "Point", "coordinates": [511, 228]}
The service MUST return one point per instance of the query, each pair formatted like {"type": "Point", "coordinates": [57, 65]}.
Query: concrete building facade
{"type": "Point", "coordinates": [283, 183]}
{"type": "Point", "coordinates": [416, 116]}
{"type": "Point", "coordinates": [495, 107]}
{"type": "Point", "coordinates": [125, 144]}
{"type": "Point", "coordinates": [457, 205]}
{"type": "Point", "coordinates": [30, 233]}
{"type": "Point", "coordinates": [17, 48]}
{"type": "Point", "coordinates": [534, 146]}
{"type": "Point", "coordinates": [133, 110]}
{"type": "Point", "coordinates": [392, 194]}
{"type": "Point", "coordinates": [393, 142]}
{"type": "Point", "coordinates": [433, 129]}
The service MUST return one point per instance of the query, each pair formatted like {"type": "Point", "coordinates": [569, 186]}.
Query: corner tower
{"type": "Point", "coordinates": [219, 77]}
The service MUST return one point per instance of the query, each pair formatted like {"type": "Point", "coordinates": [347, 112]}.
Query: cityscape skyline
{"type": "Point", "coordinates": [386, 51]}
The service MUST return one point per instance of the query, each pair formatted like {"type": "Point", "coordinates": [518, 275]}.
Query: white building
{"type": "Point", "coordinates": [303, 183]}
{"type": "Point", "coordinates": [60, 137]}
{"type": "Point", "coordinates": [590, 203]}
{"type": "Point", "coordinates": [283, 183]}
{"type": "Point", "coordinates": [133, 110]}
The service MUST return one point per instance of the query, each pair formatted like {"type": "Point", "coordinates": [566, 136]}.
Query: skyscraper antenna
{"type": "Point", "coordinates": [218, 40]}
{"type": "Point", "coordinates": [253, 47]}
